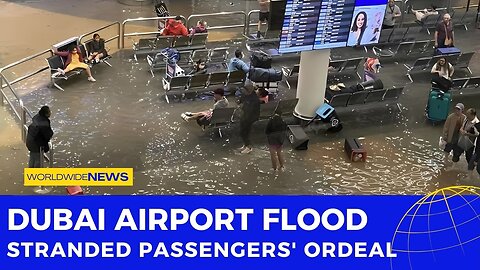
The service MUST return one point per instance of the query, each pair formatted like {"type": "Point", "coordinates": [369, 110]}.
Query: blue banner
{"type": "Point", "coordinates": [439, 231]}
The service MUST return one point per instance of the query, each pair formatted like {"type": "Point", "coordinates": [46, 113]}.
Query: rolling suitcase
{"type": "Point", "coordinates": [438, 105]}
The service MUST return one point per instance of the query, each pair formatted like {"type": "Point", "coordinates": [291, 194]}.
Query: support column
{"type": "Point", "coordinates": [312, 82]}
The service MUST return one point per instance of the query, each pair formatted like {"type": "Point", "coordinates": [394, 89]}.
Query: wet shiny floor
{"type": "Point", "coordinates": [122, 120]}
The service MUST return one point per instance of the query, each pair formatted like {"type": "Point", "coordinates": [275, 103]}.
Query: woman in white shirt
{"type": "Point", "coordinates": [443, 72]}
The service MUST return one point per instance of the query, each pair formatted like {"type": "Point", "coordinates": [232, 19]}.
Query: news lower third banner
{"type": "Point", "coordinates": [119, 177]}
{"type": "Point", "coordinates": [437, 231]}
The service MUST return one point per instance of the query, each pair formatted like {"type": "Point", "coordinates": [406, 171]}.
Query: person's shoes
{"type": "Point", "coordinates": [282, 169]}
{"type": "Point", "coordinates": [241, 148]}
{"type": "Point", "coordinates": [409, 9]}
{"type": "Point", "coordinates": [188, 113]}
{"type": "Point", "coordinates": [246, 150]}
{"type": "Point", "coordinates": [258, 34]}
{"type": "Point", "coordinates": [184, 117]}
{"type": "Point", "coordinates": [61, 71]}
{"type": "Point", "coordinates": [91, 79]}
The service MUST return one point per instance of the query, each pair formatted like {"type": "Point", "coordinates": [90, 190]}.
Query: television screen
{"type": "Point", "coordinates": [321, 24]}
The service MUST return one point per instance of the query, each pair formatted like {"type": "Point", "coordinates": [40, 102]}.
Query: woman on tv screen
{"type": "Point", "coordinates": [358, 29]}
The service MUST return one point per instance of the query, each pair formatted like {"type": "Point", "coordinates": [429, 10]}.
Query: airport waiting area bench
{"type": "Point", "coordinates": [189, 57]}
{"type": "Point", "coordinates": [336, 67]}
{"type": "Point", "coordinates": [423, 64]}
{"type": "Point", "coordinates": [56, 62]}
{"type": "Point", "coordinates": [225, 117]}
{"type": "Point", "coordinates": [365, 97]}
{"type": "Point", "coordinates": [192, 85]}
{"type": "Point", "coordinates": [155, 45]}
{"type": "Point", "coordinates": [465, 83]}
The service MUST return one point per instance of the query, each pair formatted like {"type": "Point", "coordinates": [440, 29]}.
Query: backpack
{"type": "Point", "coordinates": [260, 60]}
{"type": "Point", "coordinates": [172, 55]}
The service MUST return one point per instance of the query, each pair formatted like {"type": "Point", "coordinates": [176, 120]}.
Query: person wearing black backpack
{"type": "Point", "coordinates": [250, 105]}
{"type": "Point", "coordinates": [38, 135]}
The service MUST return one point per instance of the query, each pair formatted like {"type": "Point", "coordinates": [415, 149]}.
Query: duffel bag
{"type": "Point", "coordinates": [260, 60]}
{"type": "Point", "coordinates": [264, 75]}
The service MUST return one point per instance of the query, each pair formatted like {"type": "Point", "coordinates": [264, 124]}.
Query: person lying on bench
{"type": "Point", "coordinates": [203, 118]}
{"type": "Point", "coordinates": [96, 48]}
{"type": "Point", "coordinates": [421, 15]}
{"type": "Point", "coordinates": [74, 60]}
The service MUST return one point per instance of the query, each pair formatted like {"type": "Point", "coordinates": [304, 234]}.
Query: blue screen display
{"type": "Point", "coordinates": [322, 24]}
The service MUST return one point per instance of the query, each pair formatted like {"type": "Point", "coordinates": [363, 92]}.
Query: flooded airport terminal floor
{"type": "Point", "coordinates": [123, 120]}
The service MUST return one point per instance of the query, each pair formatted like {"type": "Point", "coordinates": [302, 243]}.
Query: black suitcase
{"type": "Point", "coordinates": [355, 150]}
{"type": "Point", "coordinates": [297, 137]}
{"type": "Point", "coordinates": [260, 60]}
{"type": "Point", "coordinates": [264, 75]}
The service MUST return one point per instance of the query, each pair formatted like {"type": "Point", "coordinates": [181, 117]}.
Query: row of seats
{"type": "Point", "coordinates": [56, 62]}
{"type": "Point", "coordinates": [224, 117]}
{"type": "Point", "coordinates": [155, 45]}
{"type": "Point", "coordinates": [459, 18]}
{"type": "Point", "coordinates": [426, 63]}
{"type": "Point", "coordinates": [468, 82]}
{"type": "Point", "coordinates": [336, 67]}
{"type": "Point", "coordinates": [187, 58]}
{"type": "Point", "coordinates": [199, 83]}
{"type": "Point", "coordinates": [405, 49]}
{"type": "Point", "coordinates": [366, 97]}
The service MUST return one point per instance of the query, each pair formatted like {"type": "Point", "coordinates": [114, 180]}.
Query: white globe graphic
{"type": "Point", "coordinates": [443, 228]}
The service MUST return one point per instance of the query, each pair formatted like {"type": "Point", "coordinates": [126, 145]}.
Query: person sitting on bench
{"type": "Point", "coordinates": [96, 48]}
{"type": "Point", "coordinates": [421, 15]}
{"type": "Point", "coordinates": [200, 28]}
{"type": "Point", "coordinates": [263, 95]}
{"type": "Point", "coordinates": [175, 27]}
{"type": "Point", "coordinates": [74, 60]}
{"type": "Point", "coordinates": [236, 63]}
{"type": "Point", "coordinates": [443, 72]}
{"type": "Point", "coordinates": [198, 68]}
{"type": "Point", "coordinates": [203, 118]}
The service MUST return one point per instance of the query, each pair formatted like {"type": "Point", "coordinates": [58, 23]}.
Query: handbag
{"type": "Point", "coordinates": [465, 143]}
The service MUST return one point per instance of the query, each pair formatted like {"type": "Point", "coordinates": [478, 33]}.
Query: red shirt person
{"type": "Point", "coordinates": [175, 27]}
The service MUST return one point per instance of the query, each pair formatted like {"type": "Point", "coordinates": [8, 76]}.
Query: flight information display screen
{"type": "Point", "coordinates": [321, 24]}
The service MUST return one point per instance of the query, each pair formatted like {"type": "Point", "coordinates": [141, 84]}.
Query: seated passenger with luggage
{"type": "Point", "coordinates": [74, 60]}
{"type": "Point", "coordinates": [175, 27]}
{"type": "Point", "coordinates": [201, 27]}
{"type": "Point", "coordinates": [96, 48]}
{"type": "Point", "coordinates": [443, 72]}
{"type": "Point", "coordinates": [236, 63]}
{"type": "Point", "coordinates": [203, 118]}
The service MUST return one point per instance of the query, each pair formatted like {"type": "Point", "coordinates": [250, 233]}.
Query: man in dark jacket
{"type": "Point", "coordinates": [250, 113]}
{"type": "Point", "coordinates": [39, 134]}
